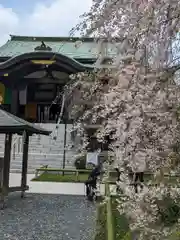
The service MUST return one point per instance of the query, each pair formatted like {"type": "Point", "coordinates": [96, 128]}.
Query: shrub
{"type": "Point", "coordinates": [175, 235]}
{"type": "Point", "coordinates": [101, 222]}
{"type": "Point", "coordinates": [121, 226]}
{"type": "Point", "coordinates": [169, 211]}
{"type": "Point", "coordinates": [80, 162]}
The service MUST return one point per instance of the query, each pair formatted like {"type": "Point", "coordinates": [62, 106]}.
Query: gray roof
{"type": "Point", "coordinates": [12, 124]}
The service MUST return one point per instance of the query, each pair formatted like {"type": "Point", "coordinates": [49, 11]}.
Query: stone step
{"type": "Point", "coordinates": [34, 167]}
{"type": "Point", "coordinates": [42, 149]}
{"type": "Point", "coordinates": [39, 164]}
{"type": "Point", "coordinates": [36, 159]}
{"type": "Point", "coordinates": [44, 162]}
{"type": "Point", "coordinates": [18, 170]}
{"type": "Point", "coordinates": [53, 148]}
{"type": "Point", "coordinates": [47, 155]}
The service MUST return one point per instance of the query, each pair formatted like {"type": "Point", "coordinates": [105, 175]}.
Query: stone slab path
{"type": "Point", "coordinates": [48, 187]}
{"type": "Point", "coordinates": [53, 187]}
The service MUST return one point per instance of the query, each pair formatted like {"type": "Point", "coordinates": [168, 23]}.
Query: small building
{"type": "Point", "coordinates": [9, 125]}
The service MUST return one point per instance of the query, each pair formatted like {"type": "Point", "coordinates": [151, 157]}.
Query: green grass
{"type": "Point", "coordinates": [49, 177]}
{"type": "Point", "coordinates": [101, 232]}
{"type": "Point", "coordinates": [121, 226]}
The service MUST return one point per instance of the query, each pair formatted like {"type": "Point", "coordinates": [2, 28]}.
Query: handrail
{"type": "Point", "coordinates": [14, 146]}
{"type": "Point", "coordinates": [14, 142]}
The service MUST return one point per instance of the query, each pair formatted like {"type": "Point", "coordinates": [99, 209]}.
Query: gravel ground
{"type": "Point", "coordinates": [47, 217]}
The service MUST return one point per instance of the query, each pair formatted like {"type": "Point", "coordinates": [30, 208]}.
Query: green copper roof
{"type": "Point", "coordinates": [18, 45]}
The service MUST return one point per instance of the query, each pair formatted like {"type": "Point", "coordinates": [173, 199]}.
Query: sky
{"type": "Point", "coordinates": [40, 17]}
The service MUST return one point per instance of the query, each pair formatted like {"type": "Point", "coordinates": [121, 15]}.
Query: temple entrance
{"type": "Point", "coordinates": [41, 112]}
{"type": "Point", "coordinates": [47, 113]}
{"type": "Point", "coordinates": [36, 105]}
{"type": "Point", "coordinates": [40, 105]}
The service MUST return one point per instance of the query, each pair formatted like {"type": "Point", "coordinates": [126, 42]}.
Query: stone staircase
{"type": "Point", "coordinates": [43, 150]}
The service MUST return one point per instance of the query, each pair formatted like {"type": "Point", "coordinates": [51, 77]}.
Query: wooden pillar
{"type": "Point", "coordinates": [65, 139]}
{"type": "Point", "coordinates": [6, 168]}
{"type": "Point", "coordinates": [1, 171]}
{"type": "Point", "coordinates": [24, 163]}
{"type": "Point", "coordinates": [7, 160]}
{"type": "Point", "coordinates": [15, 102]}
{"type": "Point", "coordinates": [1, 183]}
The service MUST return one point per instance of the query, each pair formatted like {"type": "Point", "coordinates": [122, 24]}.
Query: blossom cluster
{"type": "Point", "coordinates": [135, 99]}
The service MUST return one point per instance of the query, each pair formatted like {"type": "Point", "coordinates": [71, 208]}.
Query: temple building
{"type": "Point", "coordinates": [33, 71]}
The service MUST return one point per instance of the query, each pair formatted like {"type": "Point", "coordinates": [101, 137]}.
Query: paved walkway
{"type": "Point", "coordinates": [50, 187]}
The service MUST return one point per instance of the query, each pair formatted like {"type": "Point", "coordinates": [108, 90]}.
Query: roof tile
{"type": "Point", "coordinates": [13, 124]}
{"type": "Point", "coordinates": [19, 45]}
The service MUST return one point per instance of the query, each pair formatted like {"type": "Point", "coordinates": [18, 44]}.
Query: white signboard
{"type": "Point", "coordinates": [92, 157]}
